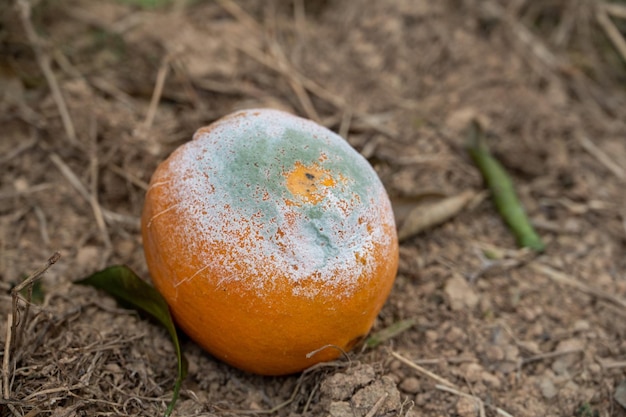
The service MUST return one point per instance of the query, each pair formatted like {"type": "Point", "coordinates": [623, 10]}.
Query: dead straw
{"type": "Point", "coordinates": [479, 402]}
{"type": "Point", "coordinates": [447, 386]}
{"type": "Point", "coordinates": [563, 278]}
{"type": "Point", "coordinates": [602, 157]}
{"type": "Point", "coordinates": [43, 60]}
{"type": "Point", "coordinates": [28, 283]}
{"type": "Point", "coordinates": [296, 390]}
{"type": "Point", "coordinates": [156, 94]}
{"type": "Point", "coordinates": [73, 179]}
{"type": "Point", "coordinates": [301, 84]}
{"type": "Point", "coordinates": [610, 30]}
{"type": "Point", "coordinates": [14, 335]}
{"type": "Point", "coordinates": [5, 360]}
{"type": "Point", "coordinates": [94, 173]}
{"type": "Point", "coordinates": [615, 9]}
{"type": "Point", "coordinates": [549, 355]}
{"type": "Point", "coordinates": [422, 370]}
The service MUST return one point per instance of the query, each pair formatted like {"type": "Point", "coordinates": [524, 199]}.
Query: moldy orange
{"type": "Point", "coordinates": [272, 240]}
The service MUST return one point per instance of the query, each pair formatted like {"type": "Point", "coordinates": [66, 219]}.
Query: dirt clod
{"type": "Point", "coordinates": [460, 294]}
{"type": "Point", "coordinates": [382, 393]}
{"type": "Point", "coordinates": [358, 390]}
{"type": "Point", "coordinates": [340, 386]}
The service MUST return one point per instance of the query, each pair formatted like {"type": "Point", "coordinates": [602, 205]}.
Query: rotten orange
{"type": "Point", "coordinates": [272, 240]}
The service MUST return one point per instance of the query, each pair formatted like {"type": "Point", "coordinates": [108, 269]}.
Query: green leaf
{"type": "Point", "coordinates": [389, 332]}
{"type": "Point", "coordinates": [130, 290]}
{"type": "Point", "coordinates": [502, 191]}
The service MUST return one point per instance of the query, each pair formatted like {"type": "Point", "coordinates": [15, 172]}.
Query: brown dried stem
{"type": "Point", "coordinates": [610, 30]}
{"type": "Point", "coordinates": [43, 60]}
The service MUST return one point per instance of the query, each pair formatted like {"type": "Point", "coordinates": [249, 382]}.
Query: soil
{"type": "Point", "coordinates": [95, 94]}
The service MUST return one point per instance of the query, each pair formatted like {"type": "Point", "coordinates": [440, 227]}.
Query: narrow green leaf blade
{"type": "Point", "coordinates": [502, 191]}
{"type": "Point", "coordinates": [389, 332]}
{"type": "Point", "coordinates": [123, 284]}
{"type": "Point", "coordinates": [127, 288]}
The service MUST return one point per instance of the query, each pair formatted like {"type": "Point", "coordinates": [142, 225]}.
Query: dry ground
{"type": "Point", "coordinates": [542, 336]}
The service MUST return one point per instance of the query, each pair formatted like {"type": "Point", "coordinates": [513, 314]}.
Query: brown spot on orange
{"type": "Point", "coordinates": [308, 183]}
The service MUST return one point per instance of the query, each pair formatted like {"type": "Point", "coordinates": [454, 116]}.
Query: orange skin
{"type": "Point", "coordinates": [288, 279]}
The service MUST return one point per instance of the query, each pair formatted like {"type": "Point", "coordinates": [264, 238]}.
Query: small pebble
{"type": "Point", "coordinates": [472, 372]}
{"type": "Point", "coordinates": [455, 334]}
{"type": "Point", "coordinates": [467, 407]}
{"type": "Point", "coordinates": [125, 247]}
{"type": "Point", "coordinates": [594, 368]}
{"type": "Point", "coordinates": [581, 326]}
{"type": "Point", "coordinates": [494, 353]}
{"type": "Point", "coordinates": [20, 184]}
{"type": "Point", "coordinates": [431, 335]}
{"type": "Point", "coordinates": [563, 362]}
{"type": "Point", "coordinates": [559, 367]}
{"type": "Point", "coordinates": [491, 380]}
{"type": "Point", "coordinates": [547, 388]}
{"type": "Point", "coordinates": [395, 365]}
{"type": "Point", "coordinates": [511, 353]}
{"type": "Point", "coordinates": [530, 314]}
{"type": "Point", "coordinates": [410, 385]}
{"type": "Point", "coordinates": [422, 399]}
{"type": "Point", "coordinates": [570, 345]}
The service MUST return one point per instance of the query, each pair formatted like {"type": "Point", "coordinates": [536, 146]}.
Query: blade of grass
{"type": "Point", "coordinates": [502, 191]}
{"type": "Point", "coordinates": [127, 288]}
{"type": "Point", "coordinates": [389, 332]}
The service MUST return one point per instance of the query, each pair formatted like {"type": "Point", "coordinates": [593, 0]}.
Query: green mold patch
{"type": "Point", "coordinates": [270, 185]}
